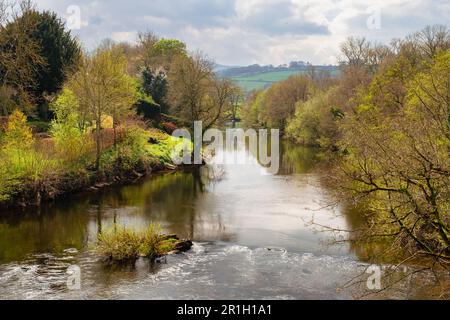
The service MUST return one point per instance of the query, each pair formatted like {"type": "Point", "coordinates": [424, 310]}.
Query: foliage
{"type": "Point", "coordinates": [164, 147]}
{"type": "Point", "coordinates": [20, 57]}
{"type": "Point", "coordinates": [66, 104]}
{"type": "Point", "coordinates": [7, 102]}
{"type": "Point", "coordinates": [253, 109]}
{"type": "Point", "coordinates": [128, 154]}
{"type": "Point", "coordinates": [155, 86]}
{"type": "Point", "coordinates": [103, 88]}
{"type": "Point", "coordinates": [168, 49]}
{"type": "Point", "coordinates": [139, 150]}
{"type": "Point", "coordinates": [71, 144]}
{"type": "Point", "coordinates": [399, 164]}
{"type": "Point", "coordinates": [276, 105]}
{"type": "Point", "coordinates": [18, 134]}
{"type": "Point", "coordinates": [315, 122]}
{"type": "Point", "coordinates": [281, 99]}
{"type": "Point", "coordinates": [21, 163]}
{"type": "Point", "coordinates": [49, 52]}
{"type": "Point", "coordinates": [60, 50]}
{"type": "Point", "coordinates": [236, 100]}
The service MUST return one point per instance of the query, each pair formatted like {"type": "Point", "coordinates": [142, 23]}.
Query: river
{"type": "Point", "coordinates": [252, 238]}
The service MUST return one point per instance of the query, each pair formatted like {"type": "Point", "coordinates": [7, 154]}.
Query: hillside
{"type": "Point", "coordinates": [258, 77]}
{"type": "Point", "coordinates": [262, 80]}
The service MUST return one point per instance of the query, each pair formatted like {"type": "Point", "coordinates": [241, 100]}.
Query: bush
{"type": "Point", "coordinates": [40, 126]}
{"type": "Point", "coordinates": [139, 150]}
{"type": "Point", "coordinates": [18, 134]}
{"type": "Point", "coordinates": [20, 162]}
{"type": "Point", "coordinates": [71, 144]}
{"type": "Point", "coordinates": [129, 154]}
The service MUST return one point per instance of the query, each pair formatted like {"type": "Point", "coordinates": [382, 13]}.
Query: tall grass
{"type": "Point", "coordinates": [123, 244]}
{"type": "Point", "coordinates": [21, 165]}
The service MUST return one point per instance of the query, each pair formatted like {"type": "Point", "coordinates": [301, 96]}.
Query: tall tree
{"type": "Point", "coordinates": [236, 100]}
{"type": "Point", "coordinates": [282, 97]}
{"type": "Point", "coordinates": [195, 92]}
{"type": "Point", "coordinates": [154, 84]}
{"type": "Point", "coordinates": [21, 58]}
{"type": "Point", "coordinates": [103, 87]}
{"type": "Point", "coordinates": [166, 50]}
{"type": "Point", "coordinates": [52, 42]}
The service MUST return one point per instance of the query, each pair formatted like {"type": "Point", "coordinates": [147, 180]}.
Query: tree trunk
{"type": "Point", "coordinates": [97, 159]}
{"type": "Point", "coordinates": [115, 131]}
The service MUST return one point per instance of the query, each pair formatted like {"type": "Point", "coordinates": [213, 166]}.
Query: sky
{"type": "Point", "coordinates": [243, 32]}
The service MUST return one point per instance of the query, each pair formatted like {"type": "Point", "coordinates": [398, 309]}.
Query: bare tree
{"type": "Point", "coordinates": [433, 39]}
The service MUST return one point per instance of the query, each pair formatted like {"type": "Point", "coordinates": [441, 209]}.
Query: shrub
{"type": "Point", "coordinates": [165, 147]}
{"type": "Point", "coordinates": [40, 126]}
{"type": "Point", "coordinates": [71, 143]}
{"type": "Point", "coordinates": [129, 154]}
{"type": "Point", "coordinates": [18, 134]}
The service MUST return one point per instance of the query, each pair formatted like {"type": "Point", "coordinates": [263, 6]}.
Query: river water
{"type": "Point", "coordinates": [252, 233]}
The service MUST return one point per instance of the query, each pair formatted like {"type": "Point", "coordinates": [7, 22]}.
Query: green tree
{"type": "Point", "coordinates": [71, 144]}
{"type": "Point", "coordinates": [67, 104]}
{"type": "Point", "coordinates": [103, 88]}
{"type": "Point", "coordinates": [253, 109]}
{"type": "Point", "coordinates": [59, 50]}
{"type": "Point", "coordinates": [20, 57]}
{"type": "Point", "coordinates": [165, 50]}
{"type": "Point", "coordinates": [154, 84]}
{"type": "Point", "coordinates": [68, 129]}
{"type": "Point", "coordinates": [398, 164]}
{"type": "Point", "coordinates": [281, 99]}
{"type": "Point", "coordinates": [316, 121]}
{"type": "Point", "coordinates": [18, 134]}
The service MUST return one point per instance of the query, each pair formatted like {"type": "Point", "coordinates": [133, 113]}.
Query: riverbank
{"type": "Point", "coordinates": [45, 177]}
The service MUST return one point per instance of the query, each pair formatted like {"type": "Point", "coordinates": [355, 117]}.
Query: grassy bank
{"type": "Point", "coordinates": [34, 169]}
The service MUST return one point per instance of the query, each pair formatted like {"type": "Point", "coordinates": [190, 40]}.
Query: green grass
{"type": "Point", "coordinates": [262, 80]}
{"type": "Point", "coordinates": [265, 79]}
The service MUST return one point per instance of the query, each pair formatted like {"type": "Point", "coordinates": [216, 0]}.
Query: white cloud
{"type": "Point", "coordinates": [124, 36]}
{"type": "Point", "coordinates": [253, 31]}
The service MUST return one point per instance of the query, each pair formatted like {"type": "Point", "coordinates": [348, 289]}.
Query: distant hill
{"type": "Point", "coordinates": [258, 77]}
{"type": "Point", "coordinates": [219, 68]}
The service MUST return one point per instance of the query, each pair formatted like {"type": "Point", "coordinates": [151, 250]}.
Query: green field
{"type": "Point", "coordinates": [262, 80]}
